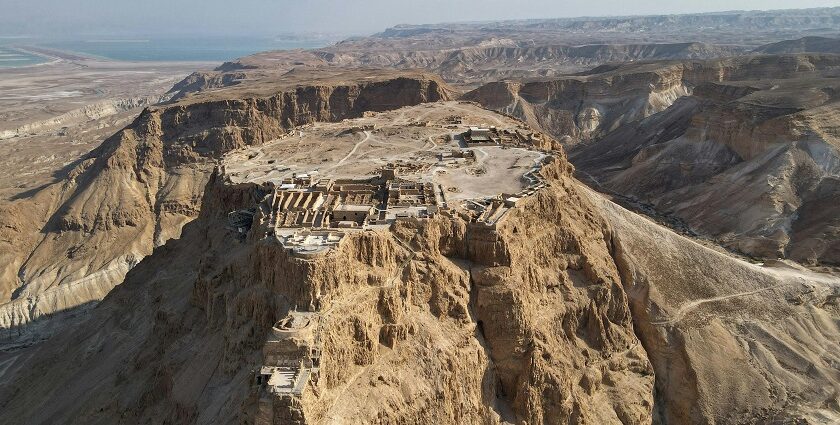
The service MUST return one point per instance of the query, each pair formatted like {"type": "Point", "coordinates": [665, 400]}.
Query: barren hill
{"type": "Point", "coordinates": [71, 242]}
{"type": "Point", "coordinates": [389, 230]}
{"type": "Point", "coordinates": [470, 53]}
{"type": "Point", "coordinates": [481, 59]}
{"type": "Point", "coordinates": [742, 149]}
{"type": "Point", "coordinates": [811, 44]}
{"type": "Point", "coordinates": [564, 308]}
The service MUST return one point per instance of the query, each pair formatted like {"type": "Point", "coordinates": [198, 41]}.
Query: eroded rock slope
{"type": "Point", "coordinates": [434, 321]}
{"type": "Point", "coordinates": [71, 242]}
{"type": "Point", "coordinates": [568, 310]}
{"type": "Point", "coordinates": [742, 150]}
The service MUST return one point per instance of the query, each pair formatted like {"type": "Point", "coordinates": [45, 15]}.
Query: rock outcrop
{"type": "Point", "coordinates": [76, 239]}
{"type": "Point", "coordinates": [744, 162]}
{"type": "Point", "coordinates": [470, 54]}
{"type": "Point", "coordinates": [565, 308]}
{"type": "Point", "coordinates": [90, 112]}
{"type": "Point", "coordinates": [714, 144]}
{"type": "Point", "coordinates": [590, 105]}
{"type": "Point", "coordinates": [568, 310]}
{"type": "Point", "coordinates": [434, 321]}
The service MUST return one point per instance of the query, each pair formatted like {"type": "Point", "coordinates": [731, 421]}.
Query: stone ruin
{"type": "Point", "coordinates": [291, 361]}
{"type": "Point", "coordinates": [308, 214]}
{"type": "Point", "coordinates": [492, 136]}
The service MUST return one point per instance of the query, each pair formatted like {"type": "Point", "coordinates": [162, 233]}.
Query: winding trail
{"type": "Point", "coordinates": [353, 151]}
{"type": "Point", "coordinates": [691, 305]}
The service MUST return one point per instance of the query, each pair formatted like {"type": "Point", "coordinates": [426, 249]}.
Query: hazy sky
{"type": "Point", "coordinates": [269, 17]}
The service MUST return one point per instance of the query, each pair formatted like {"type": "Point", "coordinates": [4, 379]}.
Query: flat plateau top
{"type": "Point", "coordinates": [416, 140]}
{"type": "Point", "coordinates": [257, 83]}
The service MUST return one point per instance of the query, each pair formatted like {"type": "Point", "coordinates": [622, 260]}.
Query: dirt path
{"type": "Point", "coordinates": [353, 151]}
{"type": "Point", "coordinates": [691, 305]}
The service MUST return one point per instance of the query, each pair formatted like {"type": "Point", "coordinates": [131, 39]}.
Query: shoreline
{"type": "Point", "coordinates": [58, 54]}
{"type": "Point", "coordinates": [50, 59]}
{"type": "Point", "coordinates": [56, 57]}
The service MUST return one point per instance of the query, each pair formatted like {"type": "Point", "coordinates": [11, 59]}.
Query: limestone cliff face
{"type": "Point", "coordinates": [497, 59]}
{"type": "Point", "coordinates": [434, 321]}
{"type": "Point", "coordinates": [564, 348]}
{"type": "Point", "coordinates": [734, 149]}
{"type": "Point", "coordinates": [740, 161]}
{"type": "Point", "coordinates": [580, 109]}
{"type": "Point", "coordinates": [570, 310]}
{"type": "Point", "coordinates": [94, 111]}
{"type": "Point", "coordinates": [144, 183]}
{"type": "Point", "coordinates": [586, 107]}
{"type": "Point", "coordinates": [201, 81]}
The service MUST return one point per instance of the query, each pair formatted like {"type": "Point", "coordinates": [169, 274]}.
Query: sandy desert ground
{"type": "Point", "coordinates": [53, 113]}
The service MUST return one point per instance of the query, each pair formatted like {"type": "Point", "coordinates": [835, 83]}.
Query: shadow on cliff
{"type": "Point", "coordinates": [39, 330]}
{"type": "Point", "coordinates": [59, 175]}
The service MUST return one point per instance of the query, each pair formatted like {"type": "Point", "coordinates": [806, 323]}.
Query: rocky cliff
{"type": "Point", "coordinates": [87, 113]}
{"type": "Point", "coordinates": [467, 62]}
{"type": "Point", "coordinates": [569, 310]}
{"type": "Point", "coordinates": [71, 242]}
{"type": "Point", "coordinates": [497, 59]}
{"type": "Point", "coordinates": [697, 139]}
{"type": "Point", "coordinates": [470, 54]}
{"type": "Point", "coordinates": [740, 161]}
{"type": "Point", "coordinates": [434, 321]}
{"type": "Point", "coordinates": [588, 106]}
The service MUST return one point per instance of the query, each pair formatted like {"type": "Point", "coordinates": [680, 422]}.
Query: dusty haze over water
{"type": "Point", "coordinates": [270, 17]}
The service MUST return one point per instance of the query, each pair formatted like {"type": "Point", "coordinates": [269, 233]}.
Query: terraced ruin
{"type": "Point", "coordinates": [395, 168]}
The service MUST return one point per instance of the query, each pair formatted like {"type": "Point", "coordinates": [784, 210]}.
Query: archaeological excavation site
{"type": "Point", "coordinates": [434, 165]}
{"type": "Point", "coordinates": [618, 220]}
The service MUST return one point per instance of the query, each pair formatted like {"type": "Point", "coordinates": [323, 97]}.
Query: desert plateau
{"type": "Point", "coordinates": [574, 220]}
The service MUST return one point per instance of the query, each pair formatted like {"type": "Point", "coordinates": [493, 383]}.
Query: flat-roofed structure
{"type": "Point", "coordinates": [477, 136]}
{"type": "Point", "coordinates": [309, 215]}
{"type": "Point", "coordinates": [291, 361]}
{"type": "Point", "coordinates": [335, 181]}
{"type": "Point", "coordinates": [403, 193]}
{"type": "Point", "coordinates": [358, 214]}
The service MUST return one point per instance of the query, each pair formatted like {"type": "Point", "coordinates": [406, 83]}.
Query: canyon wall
{"type": "Point", "coordinates": [585, 107]}
{"type": "Point", "coordinates": [733, 149]}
